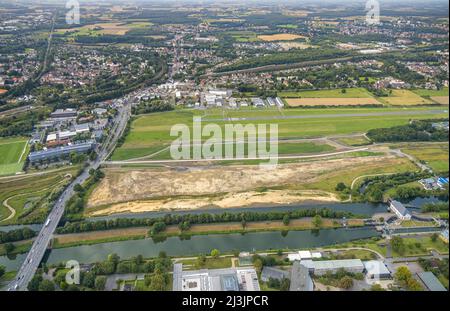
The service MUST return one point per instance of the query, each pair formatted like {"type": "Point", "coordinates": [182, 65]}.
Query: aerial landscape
{"type": "Point", "coordinates": [250, 146]}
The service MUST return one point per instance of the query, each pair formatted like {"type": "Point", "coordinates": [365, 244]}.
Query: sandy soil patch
{"type": "Point", "coordinates": [236, 184]}
{"type": "Point", "coordinates": [331, 101]}
{"type": "Point", "coordinates": [280, 37]}
{"type": "Point", "coordinates": [226, 201]}
{"type": "Point", "coordinates": [294, 45]}
{"type": "Point", "coordinates": [443, 100]}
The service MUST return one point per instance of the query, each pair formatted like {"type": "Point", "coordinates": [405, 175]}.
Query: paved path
{"type": "Point", "coordinates": [235, 159]}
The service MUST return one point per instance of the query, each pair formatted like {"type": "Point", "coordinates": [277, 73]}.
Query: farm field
{"type": "Point", "coordinates": [13, 153]}
{"type": "Point", "coordinates": [425, 92]}
{"type": "Point", "coordinates": [280, 37]}
{"type": "Point", "coordinates": [443, 100]}
{"type": "Point", "coordinates": [104, 29]}
{"type": "Point", "coordinates": [404, 98]}
{"type": "Point", "coordinates": [298, 102]}
{"type": "Point", "coordinates": [22, 194]}
{"type": "Point", "coordinates": [334, 93]}
{"type": "Point", "coordinates": [434, 155]}
{"type": "Point", "coordinates": [151, 133]}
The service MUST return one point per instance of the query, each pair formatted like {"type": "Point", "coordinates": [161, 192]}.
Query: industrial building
{"type": "Point", "coordinates": [54, 153]}
{"type": "Point", "coordinates": [64, 113]}
{"type": "Point", "coordinates": [400, 210]}
{"type": "Point", "coordinates": [332, 266]}
{"type": "Point", "coordinates": [302, 255]}
{"type": "Point", "coordinates": [268, 273]}
{"type": "Point", "coordinates": [376, 269]}
{"type": "Point", "coordinates": [431, 282]}
{"type": "Point", "coordinates": [301, 281]}
{"type": "Point", "coordinates": [231, 279]}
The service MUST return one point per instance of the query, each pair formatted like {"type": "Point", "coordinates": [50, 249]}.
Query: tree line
{"type": "Point", "coordinates": [170, 219]}
{"type": "Point", "coordinates": [421, 130]}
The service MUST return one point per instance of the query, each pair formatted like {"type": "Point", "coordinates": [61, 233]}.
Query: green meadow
{"type": "Point", "coordinates": [151, 133]}
{"type": "Point", "coordinates": [13, 152]}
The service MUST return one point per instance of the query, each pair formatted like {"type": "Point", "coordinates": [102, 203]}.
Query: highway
{"type": "Point", "coordinates": [37, 251]}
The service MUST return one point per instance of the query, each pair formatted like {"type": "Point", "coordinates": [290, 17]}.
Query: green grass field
{"type": "Point", "coordinates": [404, 98]}
{"type": "Point", "coordinates": [22, 192]}
{"type": "Point", "coordinates": [335, 93]}
{"type": "Point", "coordinates": [13, 153]}
{"type": "Point", "coordinates": [434, 155]}
{"type": "Point", "coordinates": [283, 149]}
{"type": "Point", "coordinates": [151, 133]}
{"type": "Point", "coordinates": [424, 92]}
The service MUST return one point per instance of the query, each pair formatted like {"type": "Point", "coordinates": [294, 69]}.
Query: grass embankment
{"type": "Point", "coordinates": [421, 246]}
{"type": "Point", "coordinates": [19, 248]}
{"type": "Point", "coordinates": [97, 237]}
{"type": "Point", "coordinates": [22, 193]}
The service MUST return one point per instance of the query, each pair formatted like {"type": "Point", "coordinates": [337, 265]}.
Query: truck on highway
{"type": "Point", "coordinates": [47, 222]}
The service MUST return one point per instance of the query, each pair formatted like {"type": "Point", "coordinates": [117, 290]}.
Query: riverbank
{"type": "Point", "coordinates": [97, 237]}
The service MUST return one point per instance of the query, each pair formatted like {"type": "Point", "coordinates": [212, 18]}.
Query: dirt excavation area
{"type": "Point", "coordinates": [152, 189]}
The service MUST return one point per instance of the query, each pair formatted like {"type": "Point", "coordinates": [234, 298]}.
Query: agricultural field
{"type": "Point", "coordinates": [335, 93]}
{"type": "Point", "coordinates": [442, 100]}
{"type": "Point", "coordinates": [151, 133]}
{"type": "Point", "coordinates": [430, 93]}
{"type": "Point", "coordinates": [13, 153]}
{"type": "Point", "coordinates": [404, 98]}
{"type": "Point", "coordinates": [299, 102]}
{"type": "Point", "coordinates": [24, 197]}
{"type": "Point", "coordinates": [434, 155]}
{"type": "Point", "coordinates": [104, 29]}
{"type": "Point", "coordinates": [243, 36]}
{"type": "Point", "coordinates": [280, 37]}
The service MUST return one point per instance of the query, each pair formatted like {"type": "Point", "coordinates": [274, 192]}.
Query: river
{"type": "Point", "coordinates": [174, 246]}
{"type": "Point", "coordinates": [202, 244]}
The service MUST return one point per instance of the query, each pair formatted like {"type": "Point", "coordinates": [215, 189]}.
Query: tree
{"type": "Point", "coordinates": [158, 282]}
{"type": "Point", "coordinates": [9, 248]}
{"type": "Point", "coordinates": [377, 288]}
{"type": "Point", "coordinates": [340, 187]}
{"type": "Point", "coordinates": [434, 237]}
{"type": "Point", "coordinates": [35, 282]}
{"type": "Point", "coordinates": [46, 286]}
{"type": "Point", "coordinates": [317, 221]}
{"type": "Point", "coordinates": [2, 271]}
{"type": "Point", "coordinates": [100, 282]}
{"type": "Point", "coordinates": [114, 258]}
{"type": "Point", "coordinates": [215, 253]}
{"type": "Point", "coordinates": [158, 227]}
{"type": "Point", "coordinates": [346, 282]}
{"type": "Point", "coordinates": [88, 279]}
{"type": "Point", "coordinates": [286, 220]}
{"type": "Point", "coordinates": [258, 265]}
{"type": "Point", "coordinates": [398, 245]}
{"type": "Point", "coordinates": [201, 261]}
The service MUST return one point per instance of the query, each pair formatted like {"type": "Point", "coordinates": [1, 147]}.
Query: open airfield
{"type": "Point", "coordinates": [151, 133]}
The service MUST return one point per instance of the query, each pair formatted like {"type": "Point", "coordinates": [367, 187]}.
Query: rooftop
{"type": "Point", "coordinates": [431, 282]}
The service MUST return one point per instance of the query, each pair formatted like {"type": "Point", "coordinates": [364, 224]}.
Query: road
{"type": "Point", "coordinates": [37, 251]}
